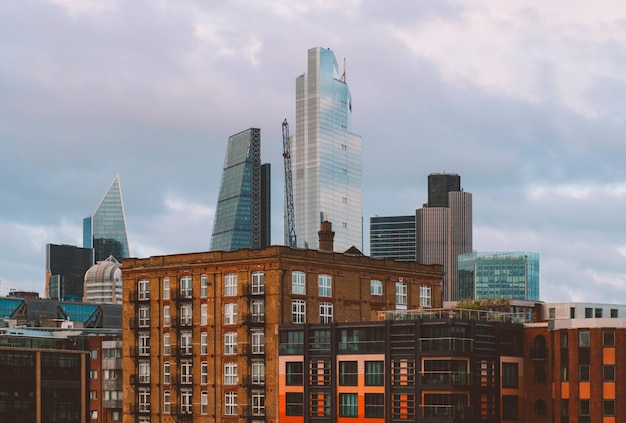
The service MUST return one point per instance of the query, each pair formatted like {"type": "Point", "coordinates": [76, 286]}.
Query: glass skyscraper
{"type": "Point", "coordinates": [393, 237]}
{"type": "Point", "coordinates": [242, 213]}
{"type": "Point", "coordinates": [510, 275]}
{"type": "Point", "coordinates": [326, 156]}
{"type": "Point", "coordinates": [105, 229]}
{"type": "Point", "coordinates": [65, 271]}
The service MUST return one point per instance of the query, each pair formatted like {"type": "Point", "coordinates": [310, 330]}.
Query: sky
{"type": "Point", "coordinates": [526, 100]}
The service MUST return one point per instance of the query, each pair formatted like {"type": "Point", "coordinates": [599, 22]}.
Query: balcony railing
{"type": "Point", "coordinates": [446, 413]}
{"type": "Point", "coordinates": [446, 345]}
{"type": "Point", "coordinates": [445, 378]}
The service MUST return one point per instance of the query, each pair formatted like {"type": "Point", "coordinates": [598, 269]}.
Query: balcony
{"type": "Point", "coordinates": [139, 296]}
{"type": "Point", "coordinates": [139, 379]}
{"type": "Point", "coordinates": [445, 413]}
{"type": "Point", "coordinates": [141, 408]}
{"type": "Point", "coordinates": [445, 379]}
{"type": "Point", "coordinates": [255, 380]}
{"type": "Point", "coordinates": [183, 351]}
{"type": "Point", "coordinates": [446, 345]}
{"type": "Point", "coordinates": [254, 318]}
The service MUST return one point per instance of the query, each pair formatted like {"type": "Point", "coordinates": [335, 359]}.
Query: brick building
{"type": "Point", "coordinates": [202, 341]}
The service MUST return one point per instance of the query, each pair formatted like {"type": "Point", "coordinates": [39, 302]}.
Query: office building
{"type": "Point", "coordinates": [105, 229]}
{"type": "Point", "coordinates": [444, 231]}
{"type": "Point", "coordinates": [204, 326]}
{"type": "Point", "coordinates": [326, 156]}
{"type": "Point", "coordinates": [511, 275]}
{"type": "Point", "coordinates": [442, 365]}
{"type": "Point", "coordinates": [393, 237]}
{"type": "Point", "coordinates": [105, 396]}
{"type": "Point", "coordinates": [65, 271]}
{"type": "Point", "coordinates": [103, 282]}
{"type": "Point", "coordinates": [242, 214]}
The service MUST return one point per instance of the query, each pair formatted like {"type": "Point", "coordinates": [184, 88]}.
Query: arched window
{"type": "Point", "coordinates": [540, 375]}
{"type": "Point", "coordinates": [540, 408]}
{"type": "Point", "coordinates": [539, 348]}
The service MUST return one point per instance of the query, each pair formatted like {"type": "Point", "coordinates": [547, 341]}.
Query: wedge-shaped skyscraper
{"type": "Point", "coordinates": [326, 156]}
{"type": "Point", "coordinates": [242, 213]}
{"type": "Point", "coordinates": [105, 229]}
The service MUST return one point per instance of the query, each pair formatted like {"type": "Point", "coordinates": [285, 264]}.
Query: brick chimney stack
{"type": "Point", "coordinates": [326, 236]}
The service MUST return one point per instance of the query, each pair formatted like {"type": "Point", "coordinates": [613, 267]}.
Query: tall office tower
{"type": "Point", "coordinates": [266, 205]}
{"type": "Point", "coordinates": [510, 275]}
{"type": "Point", "coordinates": [103, 282]}
{"type": "Point", "coordinates": [242, 213]}
{"type": "Point", "coordinates": [105, 229]}
{"type": "Point", "coordinates": [393, 237]}
{"type": "Point", "coordinates": [65, 271]}
{"type": "Point", "coordinates": [326, 156]}
{"type": "Point", "coordinates": [444, 232]}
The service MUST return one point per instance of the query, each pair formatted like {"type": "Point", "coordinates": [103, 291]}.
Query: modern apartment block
{"type": "Point", "coordinates": [203, 337]}
{"type": "Point", "coordinates": [103, 283]}
{"type": "Point", "coordinates": [105, 229]}
{"type": "Point", "coordinates": [326, 156]}
{"type": "Point", "coordinates": [511, 275]}
{"type": "Point", "coordinates": [423, 366]}
{"type": "Point", "coordinates": [444, 228]}
{"type": "Point", "coordinates": [105, 377]}
{"type": "Point", "coordinates": [242, 214]}
{"type": "Point", "coordinates": [393, 237]}
{"type": "Point", "coordinates": [65, 271]}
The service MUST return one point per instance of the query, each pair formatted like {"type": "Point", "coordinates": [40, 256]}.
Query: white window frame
{"type": "Point", "coordinates": [204, 286]}
{"type": "Point", "coordinates": [230, 314]}
{"type": "Point", "coordinates": [166, 288]}
{"type": "Point", "coordinates": [186, 315]}
{"type": "Point", "coordinates": [258, 283]}
{"type": "Point", "coordinates": [166, 344]}
{"type": "Point", "coordinates": [324, 285]}
{"type": "Point", "coordinates": [144, 400]}
{"type": "Point", "coordinates": [204, 314]}
{"type": "Point", "coordinates": [144, 316]}
{"type": "Point", "coordinates": [230, 403]}
{"type": "Point", "coordinates": [186, 287]}
{"type": "Point", "coordinates": [186, 402]}
{"type": "Point", "coordinates": [258, 403]}
{"type": "Point", "coordinates": [230, 373]}
{"type": "Point", "coordinates": [230, 285]}
{"type": "Point", "coordinates": [425, 296]}
{"type": "Point", "coordinates": [257, 310]}
{"type": "Point", "coordinates": [401, 295]}
{"type": "Point", "coordinates": [298, 311]}
{"type": "Point", "coordinates": [167, 402]}
{"type": "Point", "coordinates": [376, 287]}
{"type": "Point", "coordinates": [298, 283]}
{"type": "Point", "coordinates": [204, 343]}
{"type": "Point", "coordinates": [186, 343]}
{"type": "Point", "coordinates": [258, 341]}
{"type": "Point", "coordinates": [326, 313]}
{"type": "Point", "coordinates": [144, 371]}
{"type": "Point", "coordinates": [167, 373]}
{"type": "Point", "coordinates": [258, 372]}
{"type": "Point", "coordinates": [144, 344]}
{"type": "Point", "coordinates": [143, 289]}
{"type": "Point", "coordinates": [186, 372]}
{"type": "Point", "coordinates": [230, 343]}
{"type": "Point", "coordinates": [204, 403]}
{"type": "Point", "coordinates": [204, 373]}
{"type": "Point", "coordinates": [166, 316]}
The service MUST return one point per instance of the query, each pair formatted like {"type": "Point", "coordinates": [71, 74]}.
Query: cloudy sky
{"type": "Point", "coordinates": [526, 100]}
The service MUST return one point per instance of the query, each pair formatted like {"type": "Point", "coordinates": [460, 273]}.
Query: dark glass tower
{"type": "Point", "coordinates": [439, 185]}
{"type": "Point", "coordinates": [65, 271]}
{"type": "Point", "coordinates": [393, 237]}
{"type": "Point", "coordinates": [242, 213]}
{"type": "Point", "coordinates": [105, 229]}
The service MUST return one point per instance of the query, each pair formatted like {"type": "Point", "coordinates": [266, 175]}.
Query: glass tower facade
{"type": "Point", "coordinates": [242, 213]}
{"type": "Point", "coordinates": [65, 271]}
{"type": "Point", "coordinates": [326, 156]}
{"type": "Point", "coordinates": [393, 237]}
{"type": "Point", "coordinates": [510, 275]}
{"type": "Point", "coordinates": [105, 229]}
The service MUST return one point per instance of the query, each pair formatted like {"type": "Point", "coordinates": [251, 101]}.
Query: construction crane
{"type": "Point", "coordinates": [291, 221]}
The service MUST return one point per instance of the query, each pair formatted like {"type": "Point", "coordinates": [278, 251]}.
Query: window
{"type": "Point", "coordinates": [144, 316]}
{"type": "Point", "coordinates": [403, 406]}
{"type": "Point", "coordinates": [298, 283]}
{"type": "Point", "coordinates": [258, 283]}
{"type": "Point", "coordinates": [185, 315]}
{"type": "Point", "coordinates": [374, 373]}
{"type": "Point", "coordinates": [204, 373]}
{"type": "Point", "coordinates": [110, 374]}
{"type": "Point", "coordinates": [326, 313]}
{"type": "Point", "coordinates": [608, 407]}
{"type": "Point", "coordinates": [510, 375]}
{"type": "Point", "coordinates": [204, 315]}
{"type": "Point", "coordinates": [258, 372]}
{"type": "Point", "coordinates": [564, 339]}
{"type": "Point", "coordinates": [230, 403]}
{"type": "Point", "coordinates": [230, 314]}
{"type": "Point", "coordinates": [144, 344]}
{"type": "Point", "coordinates": [93, 354]}
{"type": "Point", "coordinates": [204, 286]}
{"type": "Point", "coordinates": [552, 313]}
{"type": "Point", "coordinates": [166, 288]}
{"type": "Point", "coordinates": [166, 315]}
{"type": "Point", "coordinates": [572, 312]}
{"type": "Point", "coordinates": [564, 373]}
{"type": "Point", "coordinates": [144, 401]}
{"type": "Point", "coordinates": [144, 372]}
{"type": "Point", "coordinates": [608, 338]}
{"type": "Point", "coordinates": [230, 374]}
{"type": "Point", "coordinates": [583, 408]}
{"type": "Point", "coordinates": [185, 402]}
{"type": "Point", "coordinates": [298, 311]}
{"type": "Point", "coordinates": [186, 287]}
{"type": "Point", "coordinates": [230, 343]}
{"type": "Point", "coordinates": [540, 408]}
{"type": "Point", "coordinates": [294, 373]}
{"type": "Point", "coordinates": [588, 312]}
{"type": "Point", "coordinates": [583, 373]}
{"type": "Point", "coordinates": [375, 405]}
{"type": "Point", "coordinates": [425, 296]}
{"type": "Point", "coordinates": [93, 374]}
{"type": "Point", "coordinates": [583, 338]}
{"type": "Point", "coordinates": [185, 345]}
{"type": "Point", "coordinates": [204, 339]}
{"type": "Point", "coordinates": [167, 402]}
{"type": "Point", "coordinates": [348, 405]}
{"type": "Point", "coordinates": [510, 407]}
{"type": "Point", "coordinates": [93, 395]}
{"type": "Point", "coordinates": [614, 313]}
{"type": "Point", "coordinates": [166, 373]}
{"type": "Point", "coordinates": [166, 344]}
{"type": "Point", "coordinates": [324, 286]}
{"type": "Point", "coordinates": [348, 373]}
{"type": "Point", "coordinates": [597, 313]}
{"type": "Point", "coordinates": [565, 407]}
{"type": "Point", "coordinates": [258, 403]}
{"type": "Point", "coordinates": [143, 287]}
{"type": "Point", "coordinates": [185, 372]}
{"type": "Point", "coordinates": [257, 307]}
{"type": "Point", "coordinates": [230, 285]}
{"type": "Point", "coordinates": [320, 404]}
{"type": "Point", "coordinates": [401, 295]}
{"type": "Point", "coordinates": [258, 342]}
{"type": "Point", "coordinates": [376, 287]}
{"type": "Point", "coordinates": [93, 414]}
{"type": "Point", "coordinates": [204, 402]}
{"type": "Point", "coordinates": [319, 373]}
{"type": "Point", "coordinates": [608, 372]}
{"type": "Point", "coordinates": [295, 404]}
{"type": "Point", "coordinates": [403, 373]}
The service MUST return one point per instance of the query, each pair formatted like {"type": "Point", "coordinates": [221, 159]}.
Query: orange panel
{"type": "Point", "coordinates": [565, 390]}
{"type": "Point", "coordinates": [608, 390]}
{"type": "Point", "coordinates": [608, 355]}
{"type": "Point", "coordinates": [584, 390]}
{"type": "Point", "coordinates": [608, 420]}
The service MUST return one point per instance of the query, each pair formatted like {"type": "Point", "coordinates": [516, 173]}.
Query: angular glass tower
{"type": "Point", "coordinates": [511, 275]}
{"type": "Point", "coordinates": [326, 156]}
{"type": "Point", "coordinates": [242, 213]}
{"type": "Point", "coordinates": [105, 229]}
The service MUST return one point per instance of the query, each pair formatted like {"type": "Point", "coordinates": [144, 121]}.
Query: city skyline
{"type": "Point", "coordinates": [521, 100]}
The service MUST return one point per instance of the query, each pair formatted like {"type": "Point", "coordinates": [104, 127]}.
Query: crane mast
{"type": "Point", "coordinates": [291, 223]}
